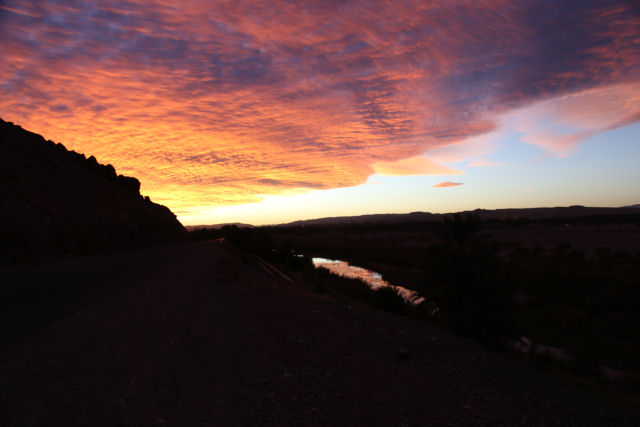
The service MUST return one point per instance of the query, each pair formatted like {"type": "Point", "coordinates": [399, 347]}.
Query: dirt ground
{"type": "Point", "coordinates": [196, 335]}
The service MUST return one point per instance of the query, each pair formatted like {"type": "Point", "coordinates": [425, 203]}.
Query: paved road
{"type": "Point", "coordinates": [33, 299]}
{"type": "Point", "coordinates": [193, 335]}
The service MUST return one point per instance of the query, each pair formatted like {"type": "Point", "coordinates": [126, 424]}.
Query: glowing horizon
{"type": "Point", "coordinates": [261, 111]}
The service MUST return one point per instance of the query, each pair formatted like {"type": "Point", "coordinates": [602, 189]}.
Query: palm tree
{"type": "Point", "coordinates": [472, 301]}
{"type": "Point", "coordinates": [461, 230]}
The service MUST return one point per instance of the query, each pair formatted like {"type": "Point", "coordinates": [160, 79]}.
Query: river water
{"type": "Point", "coordinates": [371, 278]}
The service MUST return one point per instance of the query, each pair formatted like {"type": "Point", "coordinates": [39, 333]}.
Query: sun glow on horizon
{"type": "Point", "coordinates": [496, 187]}
{"type": "Point", "coordinates": [287, 110]}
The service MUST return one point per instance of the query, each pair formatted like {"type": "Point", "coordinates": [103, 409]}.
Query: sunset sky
{"type": "Point", "coordinates": [271, 111]}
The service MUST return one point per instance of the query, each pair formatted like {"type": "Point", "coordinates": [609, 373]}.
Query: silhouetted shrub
{"type": "Point", "coordinates": [387, 298]}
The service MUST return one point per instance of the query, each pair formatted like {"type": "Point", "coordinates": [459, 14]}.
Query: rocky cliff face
{"type": "Point", "coordinates": [55, 202]}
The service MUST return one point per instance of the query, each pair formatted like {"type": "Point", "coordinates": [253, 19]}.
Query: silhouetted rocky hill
{"type": "Point", "coordinates": [55, 202]}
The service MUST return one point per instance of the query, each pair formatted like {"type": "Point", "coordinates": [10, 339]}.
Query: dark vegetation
{"type": "Point", "coordinates": [259, 241]}
{"type": "Point", "coordinates": [385, 298]}
{"type": "Point", "coordinates": [56, 203]}
{"type": "Point", "coordinates": [472, 298]}
{"type": "Point", "coordinates": [572, 283]}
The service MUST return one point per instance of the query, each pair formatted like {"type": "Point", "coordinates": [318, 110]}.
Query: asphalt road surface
{"type": "Point", "coordinates": [195, 335]}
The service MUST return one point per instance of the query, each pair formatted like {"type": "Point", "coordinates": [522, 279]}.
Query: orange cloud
{"type": "Point", "coordinates": [447, 184]}
{"type": "Point", "coordinates": [216, 103]}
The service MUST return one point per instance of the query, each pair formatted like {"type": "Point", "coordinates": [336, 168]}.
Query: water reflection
{"type": "Point", "coordinates": [371, 278]}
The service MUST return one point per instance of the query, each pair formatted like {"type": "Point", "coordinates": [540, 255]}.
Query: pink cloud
{"type": "Point", "coordinates": [484, 162]}
{"type": "Point", "coordinates": [477, 145]}
{"type": "Point", "coordinates": [448, 184]}
{"type": "Point", "coordinates": [418, 165]}
{"type": "Point", "coordinates": [214, 103]}
{"type": "Point", "coordinates": [559, 124]}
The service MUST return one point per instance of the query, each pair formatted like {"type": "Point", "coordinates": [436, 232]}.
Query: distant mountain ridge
{"type": "Point", "coordinates": [545, 212]}
{"type": "Point", "coordinates": [55, 202]}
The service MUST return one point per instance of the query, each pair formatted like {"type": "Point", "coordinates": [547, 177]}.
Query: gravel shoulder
{"type": "Point", "coordinates": [198, 335]}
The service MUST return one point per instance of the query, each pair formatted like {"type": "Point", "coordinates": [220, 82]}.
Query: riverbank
{"type": "Point", "coordinates": [206, 336]}
{"type": "Point", "coordinates": [552, 281]}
